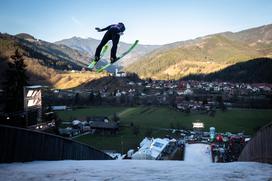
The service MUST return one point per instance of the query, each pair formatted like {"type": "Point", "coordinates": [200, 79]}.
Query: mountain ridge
{"type": "Point", "coordinates": [47, 63]}
{"type": "Point", "coordinates": [204, 54]}
{"type": "Point", "coordinates": [89, 45]}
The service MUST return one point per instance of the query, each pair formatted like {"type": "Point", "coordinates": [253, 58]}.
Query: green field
{"type": "Point", "coordinates": [234, 120]}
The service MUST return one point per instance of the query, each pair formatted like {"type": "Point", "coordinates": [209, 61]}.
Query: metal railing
{"type": "Point", "coordinates": [22, 145]}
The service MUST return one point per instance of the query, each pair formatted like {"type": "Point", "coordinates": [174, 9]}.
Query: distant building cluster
{"type": "Point", "coordinates": [89, 126]}
{"type": "Point", "coordinates": [183, 95]}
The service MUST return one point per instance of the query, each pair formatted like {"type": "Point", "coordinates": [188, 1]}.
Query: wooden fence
{"type": "Point", "coordinates": [259, 148]}
{"type": "Point", "coordinates": [22, 145]}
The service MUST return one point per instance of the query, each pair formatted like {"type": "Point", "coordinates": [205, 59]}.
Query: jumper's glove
{"type": "Point", "coordinates": [97, 29]}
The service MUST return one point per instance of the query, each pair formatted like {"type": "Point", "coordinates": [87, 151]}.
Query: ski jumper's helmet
{"type": "Point", "coordinates": [121, 26]}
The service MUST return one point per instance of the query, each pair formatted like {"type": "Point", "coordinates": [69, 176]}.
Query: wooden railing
{"type": "Point", "coordinates": [259, 148]}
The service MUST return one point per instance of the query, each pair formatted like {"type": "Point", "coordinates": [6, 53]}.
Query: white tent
{"type": "Point", "coordinates": [150, 149]}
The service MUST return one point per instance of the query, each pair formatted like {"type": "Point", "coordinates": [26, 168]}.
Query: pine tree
{"type": "Point", "coordinates": [15, 80]}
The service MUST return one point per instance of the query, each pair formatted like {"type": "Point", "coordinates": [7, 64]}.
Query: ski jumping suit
{"type": "Point", "coordinates": [113, 34]}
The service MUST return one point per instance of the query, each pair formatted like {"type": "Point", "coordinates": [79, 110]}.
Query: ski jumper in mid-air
{"type": "Point", "coordinates": [113, 33]}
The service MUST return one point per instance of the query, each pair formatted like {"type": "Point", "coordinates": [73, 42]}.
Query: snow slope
{"type": "Point", "coordinates": [197, 166]}
{"type": "Point", "coordinates": [197, 153]}
{"type": "Point", "coordinates": [123, 170]}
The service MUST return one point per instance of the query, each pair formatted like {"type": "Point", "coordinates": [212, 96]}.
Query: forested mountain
{"type": "Point", "coordinates": [205, 54]}
{"type": "Point", "coordinates": [47, 63]}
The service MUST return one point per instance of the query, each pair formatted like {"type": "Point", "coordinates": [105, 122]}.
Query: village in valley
{"type": "Point", "coordinates": [187, 97]}
{"type": "Point", "coordinates": [196, 107]}
{"type": "Point", "coordinates": [180, 94]}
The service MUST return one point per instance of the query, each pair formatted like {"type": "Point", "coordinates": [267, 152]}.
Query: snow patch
{"type": "Point", "coordinates": [197, 153]}
{"type": "Point", "coordinates": [123, 170]}
{"type": "Point", "coordinates": [197, 166]}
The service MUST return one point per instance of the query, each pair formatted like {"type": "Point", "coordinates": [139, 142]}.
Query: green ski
{"type": "Point", "coordinates": [93, 62]}
{"type": "Point", "coordinates": [121, 56]}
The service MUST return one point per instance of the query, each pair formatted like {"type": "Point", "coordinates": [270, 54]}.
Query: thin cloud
{"type": "Point", "coordinates": [76, 21]}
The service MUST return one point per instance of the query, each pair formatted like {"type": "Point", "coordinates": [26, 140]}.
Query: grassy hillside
{"type": "Point", "coordinates": [207, 55]}
{"type": "Point", "coordinates": [204, 55]}
{"type": "Point", "coordinates": [235, 120]}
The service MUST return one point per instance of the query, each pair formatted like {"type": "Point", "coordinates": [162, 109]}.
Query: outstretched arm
{"type": "Point", "coordinates": [103, 29]}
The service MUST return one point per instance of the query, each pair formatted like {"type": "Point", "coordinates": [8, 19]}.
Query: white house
{"type": "Point", "coordinates": [120, 74]}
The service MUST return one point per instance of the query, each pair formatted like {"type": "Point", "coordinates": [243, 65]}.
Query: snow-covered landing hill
{"type": "Point", "coordinates": [123, 170]}
{"type": "Point", "coordinates": [197, 166]}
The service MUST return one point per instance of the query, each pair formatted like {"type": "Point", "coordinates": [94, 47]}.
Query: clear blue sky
{"type": "Point", "coordinates": [150, 21]}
